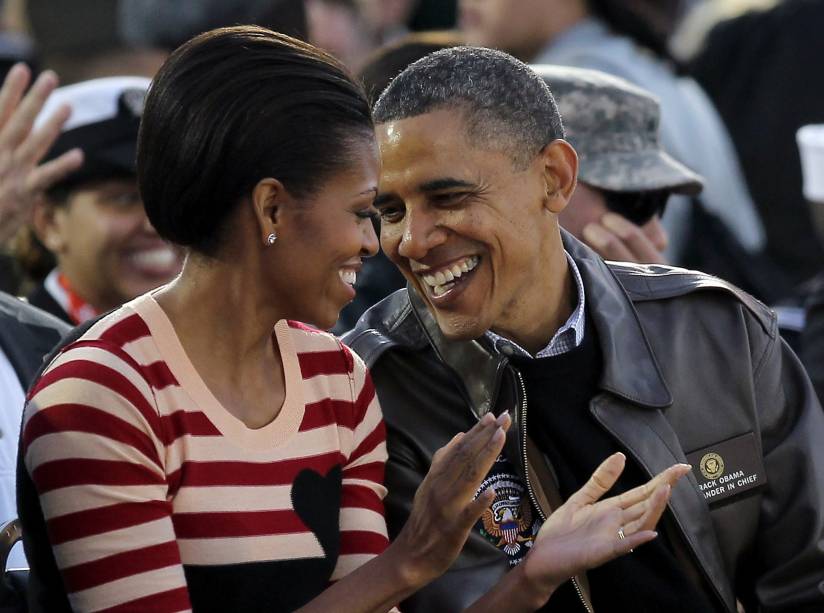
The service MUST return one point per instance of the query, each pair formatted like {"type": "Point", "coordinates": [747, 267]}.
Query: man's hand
{"type": "Point", "coordinates": [617, 238]}
{"type": "Point", "coordinates": [445, 507]}
{"type": "Point", "coordinates": [586, 532]}
{"type": "Point", "coordinates": [22, 180]}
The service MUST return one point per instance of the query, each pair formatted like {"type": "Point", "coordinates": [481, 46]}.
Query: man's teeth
{"type": "Point", "coordinates": [348, 276]}
{"type": "Point", "coordinates": [443, 280]}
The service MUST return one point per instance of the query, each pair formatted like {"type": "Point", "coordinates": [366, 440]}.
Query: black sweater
{"type": "Point", "coordinates": [559, 389]}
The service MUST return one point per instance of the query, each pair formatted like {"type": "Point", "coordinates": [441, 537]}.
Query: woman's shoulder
{"type": "Point", "coordinates": [106, 373]}
{"type": "Point", "coordinates": [119, 342]}
{"type": "Point", "coordinates": [310, 341]}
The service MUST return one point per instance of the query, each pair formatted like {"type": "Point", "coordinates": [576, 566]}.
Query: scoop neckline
{"type": "Point", "coordinates": [276, 432]}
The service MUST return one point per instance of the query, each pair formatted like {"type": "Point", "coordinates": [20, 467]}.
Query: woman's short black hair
{"type": "Point", "coordinates": [231, 107]}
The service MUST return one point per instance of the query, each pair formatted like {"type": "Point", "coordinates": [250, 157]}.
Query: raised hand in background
{"type": "Point", "coordinates": [22, 177]}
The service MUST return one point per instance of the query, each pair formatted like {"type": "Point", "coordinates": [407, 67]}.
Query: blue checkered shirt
{"type": "Point", "coordinates": [566, 338]}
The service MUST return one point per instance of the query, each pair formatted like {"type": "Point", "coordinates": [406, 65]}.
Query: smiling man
{"type": "Point", "coordinates": [507, 312]}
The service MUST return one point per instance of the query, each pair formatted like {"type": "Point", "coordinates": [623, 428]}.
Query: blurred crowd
{"type": "Point", "coordinates": [686, 119]}
{"type": "Point", "coordinates": [733, 78]}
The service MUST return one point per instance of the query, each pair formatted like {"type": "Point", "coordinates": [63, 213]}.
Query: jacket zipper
{"type": "Point", "coordinates": [529, 489]}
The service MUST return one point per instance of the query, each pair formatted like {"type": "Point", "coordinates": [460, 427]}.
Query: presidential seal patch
{"type": "Point", "coordinates": [712, 466]}
{"type": "Point", "coordinates": [508, 522]}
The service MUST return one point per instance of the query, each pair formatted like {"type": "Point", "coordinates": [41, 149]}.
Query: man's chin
{"type": "Point", "coordinates": [457, 327]}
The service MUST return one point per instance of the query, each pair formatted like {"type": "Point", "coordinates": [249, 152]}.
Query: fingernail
{"type": "Point", "coordinates": [487, 419]}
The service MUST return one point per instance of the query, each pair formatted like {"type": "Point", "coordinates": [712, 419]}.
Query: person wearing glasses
{"type": "Point", "coordinates": [624, 176]}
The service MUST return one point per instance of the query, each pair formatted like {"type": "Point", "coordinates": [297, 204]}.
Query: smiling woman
{"type": "Point", "coordinates": [199, 447]}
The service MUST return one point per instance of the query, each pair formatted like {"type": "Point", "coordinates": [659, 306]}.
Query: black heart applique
{"type": "Point", "coordinates": [316, 500]}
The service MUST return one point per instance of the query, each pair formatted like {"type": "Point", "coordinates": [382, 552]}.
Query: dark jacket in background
{"type": "Point", "coordinates": [689, 361]}
{"type": "Point", "coordinates": [27, 335]}
{"type": "Point", "coordinates": [812, 337]}
{"type": "Point", "coordinates": [763, 72]}
{"type": "Point", "coordinates": [42, 299]}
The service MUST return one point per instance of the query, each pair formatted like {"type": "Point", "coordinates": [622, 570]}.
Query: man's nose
{"type": "Point", "coordinates": [420, 234]}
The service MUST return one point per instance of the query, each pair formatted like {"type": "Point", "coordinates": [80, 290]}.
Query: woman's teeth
{"type": "Point", "coordinates": [348, 276]}
{"type": "Point", "coordinates": [444, 280]}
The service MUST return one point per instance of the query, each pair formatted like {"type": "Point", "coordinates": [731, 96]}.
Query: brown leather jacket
{"type": "Point", "coordinates": [689, 361]}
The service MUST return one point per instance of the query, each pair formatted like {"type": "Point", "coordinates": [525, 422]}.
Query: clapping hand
{"type": "Point", "coordinates": [586, 531]}
{"type": "Point", "coordinates": [22, 177]}
{"type": "Point", "coordinates": [445, 507]}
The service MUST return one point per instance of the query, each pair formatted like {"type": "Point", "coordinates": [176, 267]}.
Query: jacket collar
{"type": "Point", "coordinates": [629, 366]}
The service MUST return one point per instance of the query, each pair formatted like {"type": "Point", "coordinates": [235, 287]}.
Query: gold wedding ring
{"type": "Point", "coordinates": [622, 536]}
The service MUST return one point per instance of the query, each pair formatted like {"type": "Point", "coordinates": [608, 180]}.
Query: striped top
{"type": "Point", "coordinates": [154, 497]}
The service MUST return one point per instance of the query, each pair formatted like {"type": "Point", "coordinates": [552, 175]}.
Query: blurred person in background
{"type": "Point", "coordinates": [624, 177]}
{"type": "Point", "coordinates": [84, 39]}
{"type": "Point", "coordinates": [760, 70]}
{"type": "Point", "coordinates": [338, 27]}
{"type": "Point", "coordinates": [92, 221]}
{"type": "Point", "coordinates": [22, 179]}
{"type": "Point", "coordinates": [616, 38]}
{"type": "Point", "coordinates": [167, 25]}
{"type": "Point", "coordinates": [27, 335]}
{"type": "Point", "coordinates": [811, 327]}
{"type": "Point", "coordinates": [392, 19]}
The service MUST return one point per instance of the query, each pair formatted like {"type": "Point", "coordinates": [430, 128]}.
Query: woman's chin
{"type": "Point", "coordinates": [325, 321]}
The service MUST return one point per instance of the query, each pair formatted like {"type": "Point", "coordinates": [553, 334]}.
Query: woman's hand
{"type": "Point", "coordinates": [586, 532]}
{"type": "Point", "coordinates": [445, 507]}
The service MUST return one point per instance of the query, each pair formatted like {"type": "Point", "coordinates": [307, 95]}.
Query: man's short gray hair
{"type": "Point", "coordinates": [505, 105]}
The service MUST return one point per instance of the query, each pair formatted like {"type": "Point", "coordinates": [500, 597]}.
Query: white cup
{"type": "Point", "coordinates": [811, 147]}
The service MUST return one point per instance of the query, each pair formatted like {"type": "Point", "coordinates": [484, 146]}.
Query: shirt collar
{"type": "Point", "coordinates": [568, 336]}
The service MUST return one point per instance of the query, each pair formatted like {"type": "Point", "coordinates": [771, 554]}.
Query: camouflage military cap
{"type": "Point", "coordinates": [613, 125]}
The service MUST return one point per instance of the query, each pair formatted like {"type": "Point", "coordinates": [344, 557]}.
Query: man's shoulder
{"type": "Point", "coordinates": [387, 324]}
{"type": "Point", "coordinates": [651, 282]}
{"type": "Point", "coordinates": [392, 323]}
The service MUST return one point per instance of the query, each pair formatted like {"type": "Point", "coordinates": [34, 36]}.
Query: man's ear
{"type": "Point", "coordinates": [47, 226]}
{"type": "Point", "coordinates": [268, 196]}
{"type": "Point", "coordinates": [560, 171]}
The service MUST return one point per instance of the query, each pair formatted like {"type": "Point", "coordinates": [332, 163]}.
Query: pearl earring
{"type": "Point", "coordinates": [271, 239]}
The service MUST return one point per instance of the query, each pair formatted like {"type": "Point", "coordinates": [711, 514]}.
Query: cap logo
{"type": "Point", "coordinates": [132, 101]}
